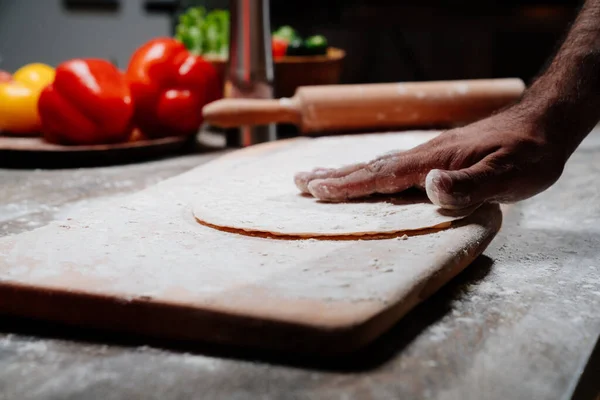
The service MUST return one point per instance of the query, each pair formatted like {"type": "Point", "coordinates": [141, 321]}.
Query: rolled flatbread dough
{"type": "Point", "coordinates": [254, 191]}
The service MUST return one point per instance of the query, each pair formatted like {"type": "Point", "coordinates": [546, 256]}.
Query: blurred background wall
{"type": "Point", "coordinates": [50, 32]}
{"type": "Point", "coordinates": [386, 40]}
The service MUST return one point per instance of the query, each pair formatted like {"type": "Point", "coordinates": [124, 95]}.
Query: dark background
{"type": "Point", "coordinates": [385, 40]}
{"type": "Point", "coordinates": [391, 40]}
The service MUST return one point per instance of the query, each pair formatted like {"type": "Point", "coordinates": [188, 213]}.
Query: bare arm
{"type": "Point", "coordinates": [566, 98]}
{"type": "Point", "coordinates": [507, 157]}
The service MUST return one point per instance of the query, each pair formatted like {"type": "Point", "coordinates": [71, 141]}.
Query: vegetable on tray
{"type": "Point", "coordinates": [169, 86]}
{"type": "Point", "coordinates": [316, 45]}
{"type": "Point", "coordinates": [88, 103]}
{"type": "Point", "coordinates": [204, 33]}
{"type": "Point", "coordinates": [91, 102]}
{"type": "Point", "coordinates": [162, 92]}
{"type": "Point", "coordinates": [279, 47]}
{"type": "Point", "coordinates": [311, 46]}
{"type": "Point", "coordinates": [295, 48]}
{"type": "Point", "coordinates": [19, 96]}
{"type": "Point", "coordinates": [286, 33]}
{"type": "Point", "coordinates": [207, 34]}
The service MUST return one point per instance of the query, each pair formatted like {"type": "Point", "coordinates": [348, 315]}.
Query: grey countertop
{"type": "Point", "coordinates": [520, 323]}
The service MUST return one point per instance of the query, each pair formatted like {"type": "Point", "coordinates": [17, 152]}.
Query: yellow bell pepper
{"type": "Point", "coordinates": [19, 98]}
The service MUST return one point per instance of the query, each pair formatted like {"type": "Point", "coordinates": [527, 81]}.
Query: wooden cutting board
{"type": "Point", "coordinates": [136, 264]}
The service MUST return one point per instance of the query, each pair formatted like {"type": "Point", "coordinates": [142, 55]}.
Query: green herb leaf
{"type": "Point", "coordinates": [204, 33]}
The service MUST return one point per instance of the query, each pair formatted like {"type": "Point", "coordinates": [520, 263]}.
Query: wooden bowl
{"type": "Point", "coordinates": [294, 71]}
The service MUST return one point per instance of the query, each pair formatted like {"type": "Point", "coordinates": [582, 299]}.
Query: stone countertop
{"type": "Point", "coordinates": [521, 322]}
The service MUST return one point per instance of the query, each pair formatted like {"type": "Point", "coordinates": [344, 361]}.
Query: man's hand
{"type": "Point", "coordinates": [504, 158]}
{"type": "Point", "coordinates": [508, 157]}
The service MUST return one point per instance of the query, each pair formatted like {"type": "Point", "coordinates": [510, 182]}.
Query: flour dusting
{"type": "Point", "coordinates": [259, 195]}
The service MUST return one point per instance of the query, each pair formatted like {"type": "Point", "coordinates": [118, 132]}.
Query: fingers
{"type": "Point", "coordinates": [465, 187]}
{"type": "Point", "coordinates": [302, 179]}
{"type": "Point", "coordinates": [385, 175]}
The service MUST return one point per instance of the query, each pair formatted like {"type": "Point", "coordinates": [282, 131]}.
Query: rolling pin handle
{"type": "Point", "coordinates": [229, 113]}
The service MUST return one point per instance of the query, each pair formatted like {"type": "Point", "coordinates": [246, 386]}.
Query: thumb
{"type": "Point", "coordinates": [462, 188]}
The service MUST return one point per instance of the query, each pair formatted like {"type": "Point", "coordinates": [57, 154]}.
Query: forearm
{"type": "Point", "coordinates": [565, 100]}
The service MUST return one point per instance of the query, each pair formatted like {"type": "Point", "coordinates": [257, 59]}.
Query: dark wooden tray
{"type": "Point", "coordinates": [37, 153]}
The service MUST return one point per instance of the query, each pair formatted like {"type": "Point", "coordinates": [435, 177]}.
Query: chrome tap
{"type": "Point", "coordinates": [250, 65]}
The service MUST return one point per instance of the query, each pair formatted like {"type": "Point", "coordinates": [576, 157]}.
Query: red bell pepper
{"type": "Point", "coordinates": [170, 86]}
{"type": "Point", "coordinates": [89, 102]}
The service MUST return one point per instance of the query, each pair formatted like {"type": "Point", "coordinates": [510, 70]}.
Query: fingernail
{"type": "Point", "coordinates": [321, 173]}
{"type": "Point", "coordinates": [441, 180]}
{"type": "Point", "coordinates": [301, 181]}
{"type": "Point", "coordinates": [438, 186]}
{"type": "Point", "coordinates": [314, 187]}
{"type": "Point", "coordinates": [320, 190]}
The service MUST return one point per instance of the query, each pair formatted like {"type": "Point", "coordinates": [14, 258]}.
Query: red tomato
{"type": "Point", "coordinates": [279, 47]}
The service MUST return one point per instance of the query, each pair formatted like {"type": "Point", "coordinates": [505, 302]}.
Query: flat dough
{"type": "Point", "coordinates": [253, 190]}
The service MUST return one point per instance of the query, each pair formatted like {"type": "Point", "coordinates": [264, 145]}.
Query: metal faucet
{"type": "Point", "coordinates": [250, 66]}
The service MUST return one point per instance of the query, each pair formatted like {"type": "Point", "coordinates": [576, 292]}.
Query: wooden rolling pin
{"type": "Point", "coordinates": [371, 106]}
